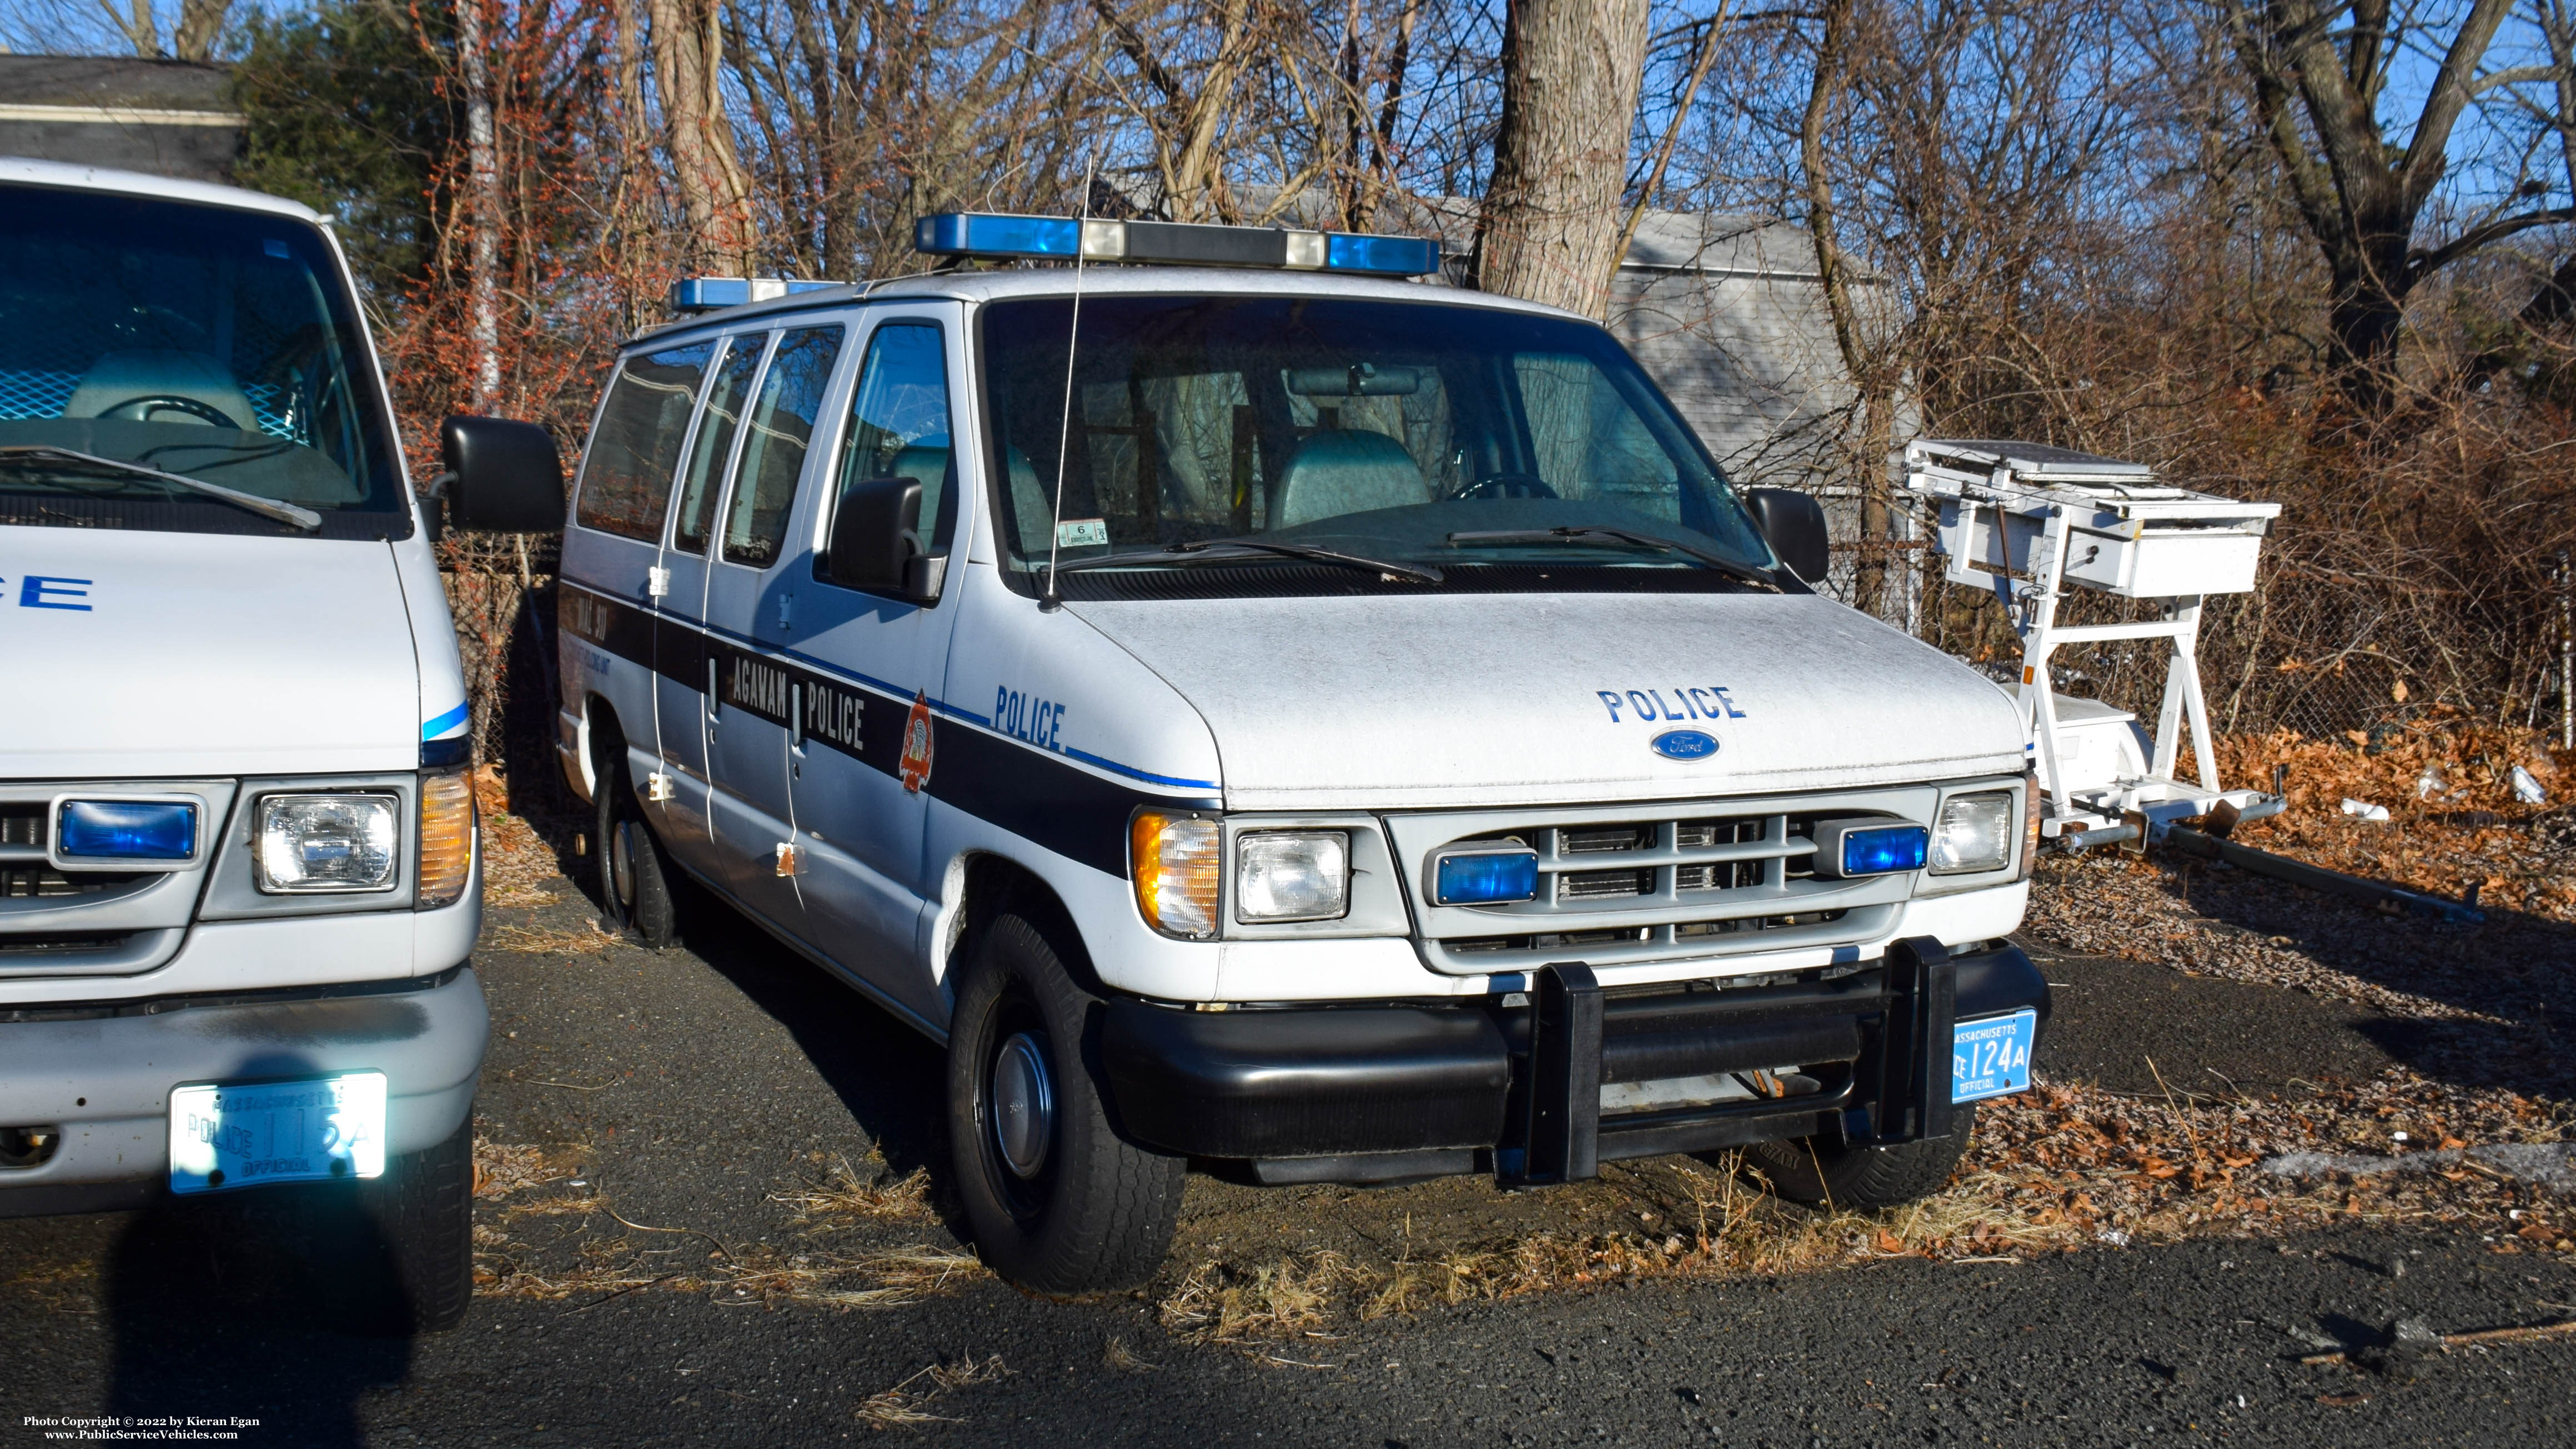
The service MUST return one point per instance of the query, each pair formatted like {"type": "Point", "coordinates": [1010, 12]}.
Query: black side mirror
{"type": "Point", "coordinates": [876, 541]}
{"type": "Point", "coordinates": [503, 476]}
{"type": "Point", "coordinates": [1795, 525]}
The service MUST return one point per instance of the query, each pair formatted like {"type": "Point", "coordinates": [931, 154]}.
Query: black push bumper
{"type": "Point", "coordinates": [1369, 1093]}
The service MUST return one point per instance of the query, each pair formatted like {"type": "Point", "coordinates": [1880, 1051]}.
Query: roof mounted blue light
{"type": "Point", "coordinates": [1063, 238]}
{"type": "Point", "coordinates": [707, 294]}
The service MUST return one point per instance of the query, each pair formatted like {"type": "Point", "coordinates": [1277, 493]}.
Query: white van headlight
{"type": "Point", "coordinates": [1975, 833]}
{"type": "Point", "coordinates": [1292, 875]}
{"type": "Point", "coordinates": [310, 844]}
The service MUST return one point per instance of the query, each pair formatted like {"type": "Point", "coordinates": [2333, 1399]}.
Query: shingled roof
{"type": "Point", "coordinates": [165, 117]}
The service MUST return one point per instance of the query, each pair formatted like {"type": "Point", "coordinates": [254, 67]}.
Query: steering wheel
{"type": "Point", "coordinates": [1502, 485]}
{"type": "Point", "coordinates": [143, 407]}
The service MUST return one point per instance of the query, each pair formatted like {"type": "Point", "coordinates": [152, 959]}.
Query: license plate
{"type": "Point", "coordinates": [1991, 1058]}
{"type": "Point", "coordinates": [227, 1136]}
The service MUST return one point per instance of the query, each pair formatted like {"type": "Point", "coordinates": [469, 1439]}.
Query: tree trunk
{"type": "Point", "coordinates": [201, 24]}
{"type": "Point", "coordinates": [483, 326]}
{"type": "Point", "coordinates": [140, 29]}
{"type": "Point", "coordinates": [1550, 222]}
{"type": "Point", "coordinates": [1867, 373]}
{"type": "Point", "coordinates": [715, 194]}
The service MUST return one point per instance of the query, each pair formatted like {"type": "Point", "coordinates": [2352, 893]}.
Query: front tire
{"type": "Point", "coordinates": [634, 894]}
{"type": "Point", "coordinates": [1825, 1171]}
{"type": "Point", "coordinates": [1058, 1202]}
{"type": "Point", "coordinates": [396, 1255]}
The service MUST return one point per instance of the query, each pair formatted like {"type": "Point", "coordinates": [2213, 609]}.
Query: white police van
{"type": "Point", "coordinates": [238, 881]}
{"type": "Point", "coordinates": [1279, 712]}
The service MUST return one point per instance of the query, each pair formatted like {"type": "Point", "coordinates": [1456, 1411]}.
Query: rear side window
{"type": "Point", "coordinates": [626, 474]}
{"type": "Point", "coordinates": [715, 442]}
{"type": "Point", "coordinates": [773, 452]}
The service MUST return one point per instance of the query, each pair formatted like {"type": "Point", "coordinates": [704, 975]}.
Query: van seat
{"type": "Point", "coordinates": [1356, 471]}
{"type": "Point", "coordinates": [123, 377]}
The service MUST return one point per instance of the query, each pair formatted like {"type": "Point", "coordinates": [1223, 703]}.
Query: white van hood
{"type": "Point", "coordinates": [132, 654]}
{"type": "Point", "coordinates": [1463, 700]}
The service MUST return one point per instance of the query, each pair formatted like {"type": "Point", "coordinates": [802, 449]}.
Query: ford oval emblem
{"type": "Point", "coordinates": [1683, 745]}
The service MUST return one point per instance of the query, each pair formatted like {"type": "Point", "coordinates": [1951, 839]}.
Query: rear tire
{"type": "Point", "coordinates": [1821, 1171]}
{"type": "Point", "coordinates": [634, 894]}
{"type": "Point", "coordinates": [396, 1255]}
{"type": "Point", "coordinates": [1058, 1202]}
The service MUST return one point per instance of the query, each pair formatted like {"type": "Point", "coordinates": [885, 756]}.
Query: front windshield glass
{"type": "Point", "coordinates": [1372, 428]}
{"type": "Point", "coordinates": [196, 340]}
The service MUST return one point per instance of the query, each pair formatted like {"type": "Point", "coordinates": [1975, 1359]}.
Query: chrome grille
{"type": "Point", "coordinates": [83, 922]}
{"type": "Point", "coordinates": [1629, 884]}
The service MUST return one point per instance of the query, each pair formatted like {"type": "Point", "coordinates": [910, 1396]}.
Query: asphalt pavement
{"type": "Point", "coordinates": [703, 1083]}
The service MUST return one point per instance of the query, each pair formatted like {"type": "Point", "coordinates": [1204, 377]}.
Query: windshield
{"type": "Point", "coordinates": [200, 341]}
{"type": "Point", "coordinates": [1377, 429]}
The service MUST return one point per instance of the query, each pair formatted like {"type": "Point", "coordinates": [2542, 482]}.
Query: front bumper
{"type": "Point", "coordinates": [1377, 1093]}
{"type": "Point", "coordinates": [102, 1075]}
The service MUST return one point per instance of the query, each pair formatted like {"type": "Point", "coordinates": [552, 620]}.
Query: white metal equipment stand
{"type": "Point", "coordinates": [2028, 521]}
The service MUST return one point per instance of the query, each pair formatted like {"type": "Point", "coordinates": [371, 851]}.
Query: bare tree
{"type": "Point", "coordinates": [140, 27]}
{"type": "Point", "coordinates": [2321, 74]}
{"type": "Point", "coordinates": [201, 23]}
{"type": "Point", "coordinates": [1571, 70]}
{"type": "Point", "coordinates": [715, 194]}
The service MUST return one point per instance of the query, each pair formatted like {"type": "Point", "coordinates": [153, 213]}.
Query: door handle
{"type": "Point", "coordinates": [796, 716]}
{"type": "Point", "coordinates": [715, 698]}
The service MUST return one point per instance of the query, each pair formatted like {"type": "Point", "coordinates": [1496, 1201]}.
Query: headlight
{"type": "Point", "coordinates": [446, 837]}
{"type": "Point", "coordinates": [1975, 833]}
{"type": "Point", "coordinates": [315, 843]}
{"type": "Point", "coordinates": [1284, 875]}
{"type": "Point", "coordinates": [1174, 860]}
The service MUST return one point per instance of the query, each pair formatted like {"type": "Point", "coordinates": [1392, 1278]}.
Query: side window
{"type": "Point", "coordinates": [626, 472]}
{"type": "Point", "coordinates": [899, 423]}
{"type": "Point", "coordinates": [773, 454]}
{"type": "Point", "coordinates": [715, 442]}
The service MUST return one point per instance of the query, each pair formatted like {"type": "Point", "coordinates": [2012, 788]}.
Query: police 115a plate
{"type": "Point", "coordinates": [1991, 1058]}
{"type": "Point", "coordinates": [244, 1135]}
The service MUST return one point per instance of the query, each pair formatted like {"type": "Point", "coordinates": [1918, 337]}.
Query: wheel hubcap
{"type": "Point", "coordinates": [1023, 1105]}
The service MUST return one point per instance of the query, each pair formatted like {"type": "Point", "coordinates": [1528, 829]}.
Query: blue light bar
{"type": "Point", "coordinates": [1484, 877]}
{"type": "Point", "coordinates": [126, 830]}
{"type": "Point", "coordinates": [707, 294]}
{"type": "Point", "coordinates": [1399, 256]}
{"type": "Point", "coordinates": [985, 234]}
{"type": "Point", "coordinates": [1883, 849]}
{"type": "Point", "coordinates": [1061, 238]}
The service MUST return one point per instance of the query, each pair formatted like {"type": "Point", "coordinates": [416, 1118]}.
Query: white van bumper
{"type": "Point", "coordinates": [100, 1076]}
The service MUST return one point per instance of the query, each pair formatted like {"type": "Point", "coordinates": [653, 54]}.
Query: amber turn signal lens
{"type": "Point", "coordinates": [1174, 860]}
{"type": "Point", "coordinates": [446, 837]}
{"type": "Point", "coordinates": [2031, 805]}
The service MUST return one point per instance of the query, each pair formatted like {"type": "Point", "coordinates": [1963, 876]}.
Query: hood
{"type": "Point", "coordinates": [154, 654]}
{"type": "Point", "coordinates": [1465, 700]}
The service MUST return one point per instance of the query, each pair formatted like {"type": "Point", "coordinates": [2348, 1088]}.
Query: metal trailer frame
{"type": "Point", "coordinates": [2040, 499]}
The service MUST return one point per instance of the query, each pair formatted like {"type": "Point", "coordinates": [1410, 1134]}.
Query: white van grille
{"type": "Point", "coordinates": [1620, 885]}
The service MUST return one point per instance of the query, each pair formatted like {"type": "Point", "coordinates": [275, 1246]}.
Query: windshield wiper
{"type": "Point", "coordinates": [1585, 533]}
{"type": "Point", "coordinates": [1243, 550]}
{"type": "Point", "coordinates": [303, 518]}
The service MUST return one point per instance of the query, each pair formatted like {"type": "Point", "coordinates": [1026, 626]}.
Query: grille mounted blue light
{"type": "Point", "coordinates": [1484, 877]}
{"type": "Point", "coordinates": [1062, 238]}
{"type": "Point", "coordinates": [126, 830]}
{"type": "Point", "coordinates": [1884, 849]}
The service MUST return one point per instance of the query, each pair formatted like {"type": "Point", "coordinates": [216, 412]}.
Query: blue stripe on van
{"type": "Point", "coordinates": [454, 719]}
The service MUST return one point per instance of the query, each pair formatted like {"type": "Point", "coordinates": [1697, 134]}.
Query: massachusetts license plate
{"type": "Point", "coordinates": [242, 1136]}
{"type": "Point", "coordinates": [1991, 1058]}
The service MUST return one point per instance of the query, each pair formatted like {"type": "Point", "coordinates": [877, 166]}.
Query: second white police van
{"type": "Point", "coordinates": [1274, 711]}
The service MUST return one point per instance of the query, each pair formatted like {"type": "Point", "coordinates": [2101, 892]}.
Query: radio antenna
{"type": "Point", "coordinates": [1064, 436]}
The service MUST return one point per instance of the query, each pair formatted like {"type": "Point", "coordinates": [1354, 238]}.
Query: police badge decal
{"type": "Point", "coordinates": [914, 767]}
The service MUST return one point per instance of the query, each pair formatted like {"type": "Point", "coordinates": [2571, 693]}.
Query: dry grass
{"type": "Point", "coordinates": [907, 1407]}
{"type": "Point", "coordinates": [1119, 1359]}
{"type": "Point", "coordinates": [845, 1195]}
{"type": "Point", "coordinates": [501, 1169]}
{"type": "Point", "coordinates": [586, 939]}
{"type": "Point", "coordinates": [517, 859]}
